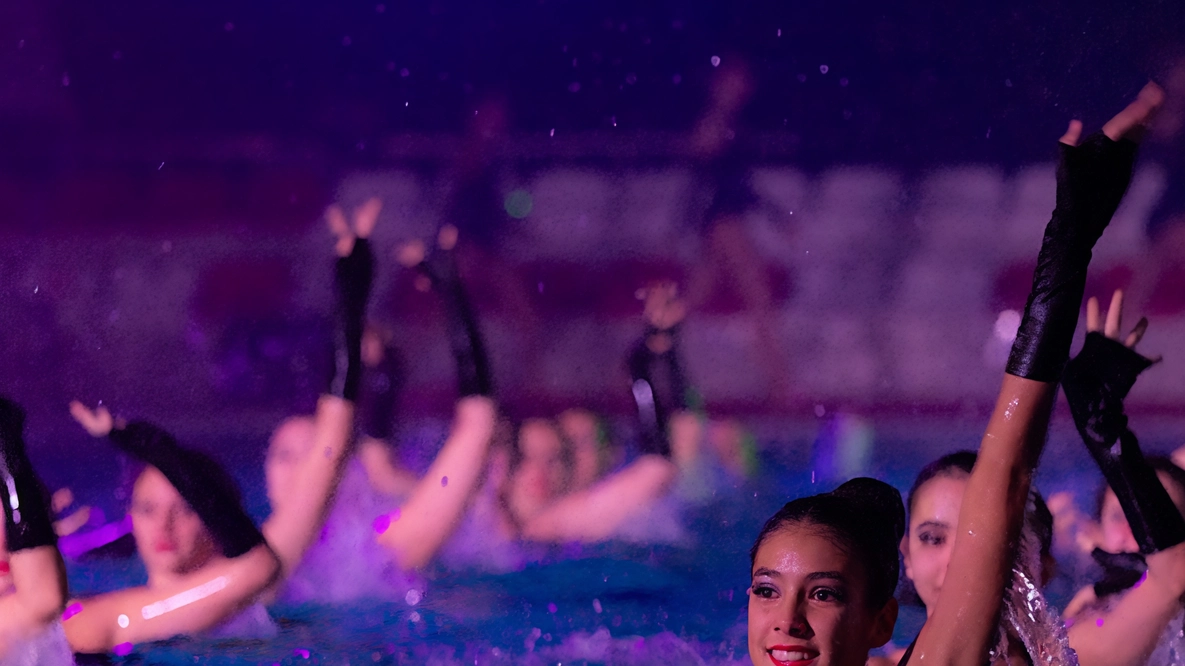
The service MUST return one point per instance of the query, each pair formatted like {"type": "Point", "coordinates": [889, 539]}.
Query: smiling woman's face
{"type": "Point", "coordinates": [808, 603]}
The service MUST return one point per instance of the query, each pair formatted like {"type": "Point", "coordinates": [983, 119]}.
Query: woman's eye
{"type": "Point", "coordinates": [826, 595]}
{"type": "Point", "coordinates": [932, 539]}
{"type": "Point", "coordinates": [764, 591]}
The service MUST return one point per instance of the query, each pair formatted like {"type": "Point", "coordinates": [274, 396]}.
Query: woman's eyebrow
{"type": "Point", "coordinates": [826, 575]}
{"type": "Point", "coordinates": [933, 523]}
{"type": "Point", "coordinates": [765, 571]}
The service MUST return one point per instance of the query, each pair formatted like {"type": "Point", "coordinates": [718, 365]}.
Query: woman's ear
{"type": "Point", "coordinates": [883, 623]}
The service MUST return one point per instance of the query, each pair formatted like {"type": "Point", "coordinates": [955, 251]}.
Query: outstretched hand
{"type": "Point", "coordinates": [364, 220]}
{"type": "Point", "coordinates": [1129, 123]}
{"type": "Point", "coordinates": [1110, 323]}
{"type": "Point", "coordinates": [97, 422]}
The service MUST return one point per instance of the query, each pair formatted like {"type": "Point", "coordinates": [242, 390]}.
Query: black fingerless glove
{"type": "Point", "coordinates": [1120, 571]}
{"type": "Point", "coordinates": [380, 389]}
{"type": "Point", "coordinates": [1096, 382]}
{"type": "Point", "coordinates": [1091, 180]}
{"type": "Point", "coordinates": [201, 482]}
{"type": "Point", "coordinates": [659, 388]}
{"type": "Point", "coordinates": [28, 521]}
{"type": "Point", "coordinates": [464, 335]}
{"type": "Point", "coordinates": [353, 275]}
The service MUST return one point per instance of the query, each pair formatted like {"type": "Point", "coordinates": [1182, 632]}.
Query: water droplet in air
{"type": "Point", "coordinates": [444, 482]}
{"type": "Point", "coordinates": [802, 78]}
{"type": "Point", "coordinates": [823, 69]}
{"type": "Point", "coordinates": [552, 132]}
{"type": "Point", "coordinates": [413, 597]}
{"type": "Point", "coordinates": [715, 61]}
{"type": "Point", "coordinates": [404, 73]}
{"type": "Point", "coordinates": [122, 621]}
{"type": "Point", "coordinates": [779, 32]}
{"type": "Point", "coordinates": [597, 606]}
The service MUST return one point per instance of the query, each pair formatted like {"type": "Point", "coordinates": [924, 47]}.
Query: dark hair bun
{"type": "Point", "coordinates": [880, 501]}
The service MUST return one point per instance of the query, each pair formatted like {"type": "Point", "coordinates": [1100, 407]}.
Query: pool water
{"type": "Point", "coordinates": [611, 603]}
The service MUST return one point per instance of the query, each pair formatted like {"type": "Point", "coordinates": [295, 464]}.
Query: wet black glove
{"type": "Point", "coordinates": [464, 335]}
{"type": "Point", "coordinates": [659, 388]}
{"type": "Point", "coordinates": [353, 275]}
{"type": "Point", "coordinates": [1091, 180]}
{"type": "Point", "coordinates": [1120, 571]}
{"type": "Point", "coordinates": [1096, 382]}
{"type": "Point", "coordinates": [28, 521]}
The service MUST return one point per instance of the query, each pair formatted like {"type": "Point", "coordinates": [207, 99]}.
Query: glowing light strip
{"type": "Point", "coordinates": [183, 599]}
{"type": "Point", "coordinates": [14, 500]}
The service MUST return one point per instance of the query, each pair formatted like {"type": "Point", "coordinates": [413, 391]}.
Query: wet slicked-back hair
{"type": "Point", "coordinates": [959, 463]}
{"type": "Point", "coordinates": [863, 517]}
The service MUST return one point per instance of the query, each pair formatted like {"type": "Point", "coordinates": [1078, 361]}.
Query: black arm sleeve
{"type": "Point", "coordinates": [1096, 382]}
{"type": "Point", "coordinates": [1091, 180]}
{"type": "Point", "coordinates": [28, 522]}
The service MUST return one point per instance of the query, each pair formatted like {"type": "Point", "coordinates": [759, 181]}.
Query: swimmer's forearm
{"type": "Point", "coordinates": [596, 513]}
{"type": "Point", "coordinates": [1127, 635]}
{"type": "Point", "coordinates": [962, 626]}
{"type": "Point", "coordinates": [195, 603]}
{"type": "Point", "coordinates": [429, 516]}
{"type": "Point", "coordinates": [39, 594]}
{"type": "Point", "coordinates": [291, 530]}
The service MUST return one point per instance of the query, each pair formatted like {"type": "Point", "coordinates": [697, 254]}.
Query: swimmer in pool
{"type": "Point", "coordinates": [822, 574]}
{"type": "Point", "coordinates": [206, 560]}
{"type": "Point", "coordinates": [32, 575]}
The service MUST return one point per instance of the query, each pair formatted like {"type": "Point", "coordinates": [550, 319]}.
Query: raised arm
{"type": "Point", "coordinates": [1096, 383]}
{"type": "Point", "coordinates": [437, 500]}
{"type": "Point", "coordinates": [185, 603]}
{"type": "Point", "coordinates": [297, 520]}
{"type": "Point", "coordinates": [38, 585]}
{"type": "Point", "coordinates": [668, 433]}
{"type": "Point", "coordinates": [1092, 178]}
